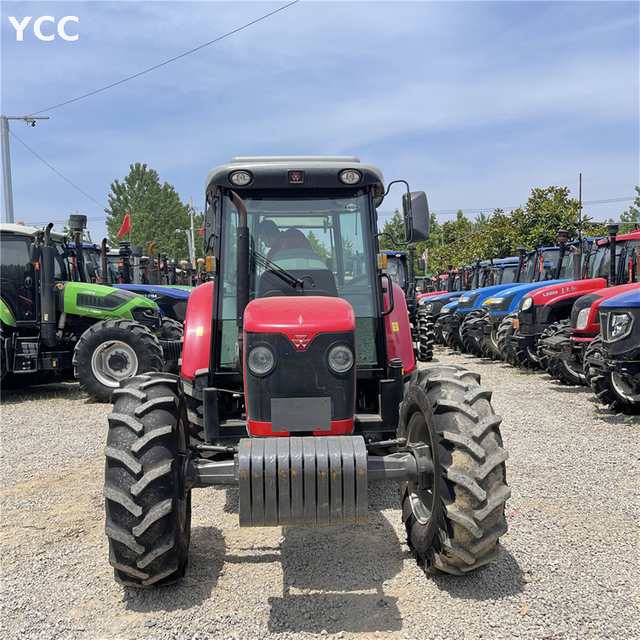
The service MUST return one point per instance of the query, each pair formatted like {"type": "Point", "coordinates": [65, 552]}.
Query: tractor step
{"type": "Point", "coordinates": [26, 355]}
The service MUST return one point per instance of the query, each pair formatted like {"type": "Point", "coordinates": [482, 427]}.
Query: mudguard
{"type": "Point", "coordinates": [5, 315]}
{"type": "Point", "coordinates": [398, 330]}
{"type": "Point", "coordinates": [197, 331]}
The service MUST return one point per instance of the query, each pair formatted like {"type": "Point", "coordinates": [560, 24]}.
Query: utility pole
{"type": "Point", "coordinates": [6, 160]}
{"type": "Point", "coordinates": [192, 244]}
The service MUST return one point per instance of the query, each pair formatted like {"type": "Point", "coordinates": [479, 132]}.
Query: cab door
{"type": "Point", "coordinates": [18, 281]}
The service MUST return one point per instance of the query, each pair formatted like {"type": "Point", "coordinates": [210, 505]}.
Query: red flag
{"type": "Point", "coordinates": [202, 229]}
{"type": "Point", "coordinates": [126, 225]}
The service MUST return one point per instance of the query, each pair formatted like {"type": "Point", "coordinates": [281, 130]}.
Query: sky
{"type": "Point", "coordinates": [476, 103]}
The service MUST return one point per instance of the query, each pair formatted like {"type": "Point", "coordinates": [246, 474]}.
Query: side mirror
{"type": "Point", "coordinates": [421, 264]}
{"type": "Point", "coordinates": [34, 253]}
{"type": "Point", "coordinates": [416, 216]}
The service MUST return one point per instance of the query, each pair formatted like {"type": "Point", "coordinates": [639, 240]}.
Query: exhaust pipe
{"type": "Point", "coordinates": [613, 232]}
{"type": "Point", "coordinates": [47, 292]}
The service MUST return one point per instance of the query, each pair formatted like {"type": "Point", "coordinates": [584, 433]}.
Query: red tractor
{"type": "Point", "coordinates": [299, 386]}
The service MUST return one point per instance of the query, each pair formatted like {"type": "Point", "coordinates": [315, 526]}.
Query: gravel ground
{"type": "Point", "coordinates": [568, 567]}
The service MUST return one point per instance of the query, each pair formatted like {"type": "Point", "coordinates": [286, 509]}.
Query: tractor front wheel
{"type": "Point", "coordinates": [503, 339]}
{"type": "Point", "coordinates": [474, 319]}
{"type": "Point", "coordinates": [426, 334]}
{"type": "Point", "coordinates": [566, 371]}
{"type": "Point", "coordinates": [455, 517]}
{"type": "Point", "coordinates": [111, 351]}
{"type": "Point", "coordinates": [148, 516]}
{"type": "Point", "coordinates": [617, 391]}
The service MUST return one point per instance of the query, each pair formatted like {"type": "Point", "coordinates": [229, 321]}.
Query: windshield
{"type": "Point", "coordinates": [566, 270]}
{"type": "Point", "coordinates": [599, 261]}
{"type": "Point", "coordinates": [320, 239]}
{"type": "Point", "coordinates": [395, 270]}
{"type": "Point", "coordinates": [507, 275]}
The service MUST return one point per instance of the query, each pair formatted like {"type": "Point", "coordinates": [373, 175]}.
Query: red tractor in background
{"type": "Point", "coordinates": [299, 386]}
{"type": "Point", "coordinates": [546, 311]}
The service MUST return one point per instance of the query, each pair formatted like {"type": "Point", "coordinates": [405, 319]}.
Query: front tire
{"type": "Point", "coordinates": [111, 351]}
{"type": "Point", "coordinates": [426, 339]}
{"type": "Point", "coordinates": [503, 339]}
{"type": "Point", "coordinates": [474, 319]}
{"type": "Point", "coordinates": [612, 389]}
{"type": "Point", "coordinates": [454, 522]}
{"type": "Point", "coordinates": [568, 372]}
{"type": "Point", "coordinates": [148, 521]}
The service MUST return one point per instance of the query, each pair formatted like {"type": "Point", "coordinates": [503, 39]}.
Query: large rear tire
{"type": "Point", "coordinates": [148, 521]}
{"type": "Point", "coordinates": [614, 390]}
{"type": "Point", "coordinates": [111, 351]}
{"type": "Point", "coordinates": [566, 371]}
{"type": "Point", "coordinates": [455, 521]}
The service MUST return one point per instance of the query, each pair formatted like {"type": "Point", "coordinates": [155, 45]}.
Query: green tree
{"type": "Point", "coordinates": [546, 212]}
{"type": "Point", "coordinates": [155, 212]}
{"type": "Point", "coordinates": [631, 216]}
{"type": "Point", "coordinates": [318, 246]}
{"type": "Point", "coordinates": [395, 228]}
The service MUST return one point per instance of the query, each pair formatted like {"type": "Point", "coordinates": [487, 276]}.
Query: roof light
{"type": "Point", "coordinates": [350, 176]}
{"type": "Point", "coordinates": [240, 178]}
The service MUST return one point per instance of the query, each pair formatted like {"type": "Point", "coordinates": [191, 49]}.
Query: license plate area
{"type": "Point", "coordinates": [300, 414]}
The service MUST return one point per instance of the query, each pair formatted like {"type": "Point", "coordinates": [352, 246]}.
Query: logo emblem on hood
{"type": "Point", "coordinates": [300, 342]}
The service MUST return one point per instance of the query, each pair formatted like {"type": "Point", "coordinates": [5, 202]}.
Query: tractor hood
{"type": "Point", "coordinates": [508, 299]}
{"type": "Point", "coordinates": [298, 315]}
{"type": "Point", "coordinates": [554, 293]}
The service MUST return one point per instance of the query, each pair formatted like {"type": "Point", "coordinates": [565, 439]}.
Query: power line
{"type": "Point", "coordinates": [55, 171]}
{"type": "Point", "coordinates": [162, 64]}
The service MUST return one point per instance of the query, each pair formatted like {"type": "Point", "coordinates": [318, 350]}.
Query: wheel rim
{"type": "Point", "coordinates": [114, 361]}
{"type": "Point", "coordinates": [623, 389]}
{"type": "Point", "coordinates": [421, 499]}
{"type": "Point", "coordinates": [574, 368]}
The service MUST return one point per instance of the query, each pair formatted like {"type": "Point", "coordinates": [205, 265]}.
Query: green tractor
{"type": "Point", "coordinates": [51, 322]}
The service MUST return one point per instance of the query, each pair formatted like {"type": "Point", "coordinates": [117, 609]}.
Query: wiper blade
{"type": "Point", "coordinates": [277, 270]}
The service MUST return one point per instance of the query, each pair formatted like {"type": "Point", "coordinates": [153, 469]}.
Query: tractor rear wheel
{"type": "Point", "coordinates": [111, 351]}
{"type": "Point", "coordinates": [455, 518]}
{"type": "Point", "coordinates": [148, 518]}
{"type": "Point", "coordinates": [474, 319]}
{"type": "Point", "coordinates": [503, 339]}
{"type": "Point", "coordinates": [566, 371]}
{"type": "Point", "coordinates": [614, 390]}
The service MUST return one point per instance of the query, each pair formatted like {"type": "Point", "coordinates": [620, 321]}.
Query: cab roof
{"type": "Point", "coordinates": [23, 230]}
{"type": "Point", "coordinates": [315, 172]}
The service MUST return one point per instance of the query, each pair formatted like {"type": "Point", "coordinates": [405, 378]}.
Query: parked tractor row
{"type": "Point", "coordinates": [552, 316]}
{"type": "Point", "coordinates": [57, 318]}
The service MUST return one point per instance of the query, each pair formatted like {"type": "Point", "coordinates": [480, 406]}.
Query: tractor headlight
{"type": "Point", "coordinates": [340, 358]}
{"type": "Point", "coordinates": [583, 318]}
{"type": "Point", "coordinates": [261, 360]}
{"type": "Point", "coordinates": [428, 307]}
{"type": "Point", "coordinates": [619, 326]}
{"type": "Point", "coordinates": [526, 303]}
